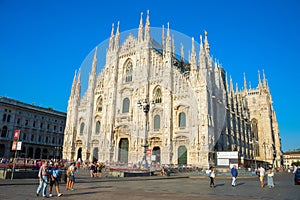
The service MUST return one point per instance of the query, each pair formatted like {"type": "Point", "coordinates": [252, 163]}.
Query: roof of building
{"type": "Point", "coordinates": [291, 153]}
{"type": "Point", "coordinates": [13, 102]}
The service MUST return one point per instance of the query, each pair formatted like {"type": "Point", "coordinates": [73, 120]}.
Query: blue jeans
{"type": "Point", "coordinates": [43, 184]}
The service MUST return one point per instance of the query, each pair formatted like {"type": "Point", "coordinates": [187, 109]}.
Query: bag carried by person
{"type": "Point", "coordinates": [207, 173]}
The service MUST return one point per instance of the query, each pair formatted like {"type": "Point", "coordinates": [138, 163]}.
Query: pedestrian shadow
{"type": "Point", "coordinates": [219, 185]}
{"type": "Point", "coordinates": [79, 193]}
{"type": "Point", "coordinates": [83, 193]}
{"type": "Point", "coordinates": [98, 187]}
{"type": "Point", "coordinates": [238, 184]}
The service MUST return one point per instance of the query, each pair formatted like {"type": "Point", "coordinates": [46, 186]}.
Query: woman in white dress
{"type": "Point", "coordinates": [270, 178]}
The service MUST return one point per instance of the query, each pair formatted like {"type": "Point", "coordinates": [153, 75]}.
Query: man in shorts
{"type": "Point", "coordinates": [54, 179]}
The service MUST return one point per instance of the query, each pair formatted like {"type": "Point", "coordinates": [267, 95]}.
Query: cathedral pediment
{"type": "Point", "coordinates": [126, 90]}
{"type": "Point", "coordinates": [129, 44]}
{"type": "Point", "coordinates": [123, 128]}
{"type": "Point", "coordinates": [78, 142]}
{"type": "Point", "coordinates": [94, 142]}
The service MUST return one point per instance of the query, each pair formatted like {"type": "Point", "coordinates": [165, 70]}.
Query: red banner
{"type": "Point", "coordinates": [148, 151]}
{"type": "Point", "coordinates": [16, 134]}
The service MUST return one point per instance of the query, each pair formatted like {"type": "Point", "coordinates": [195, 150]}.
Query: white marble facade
{"type": "Point", "coordinates": [196, 112]}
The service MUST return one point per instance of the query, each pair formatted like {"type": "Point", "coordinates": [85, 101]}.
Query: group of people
{"type": "Point", "coordinates": [96, 169]}
{"type": "Point", "coordinates": [270, 174]}
{"type": "Point", "coordinates": [50, 173]}
{"type": "Point", "coordinates": [211, 173]}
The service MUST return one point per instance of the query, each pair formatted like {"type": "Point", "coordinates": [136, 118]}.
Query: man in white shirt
{"type": "Point", "coordinates": [262, 176]}
{"type": "Point", "coordinates": [295, 168]}
{"type": "Point", "coordinates": [43, 178]}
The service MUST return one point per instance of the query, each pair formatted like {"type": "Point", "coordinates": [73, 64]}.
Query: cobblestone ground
{"type": "Point", "coordinates": [179, 188]}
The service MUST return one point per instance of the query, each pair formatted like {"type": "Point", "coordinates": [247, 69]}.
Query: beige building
{"type": "Point", "coordinates": [149, 100]}
{"type": "Point", "coordinates": [290, 157]}
{"type": "Point", "coordinates": [41, 130]}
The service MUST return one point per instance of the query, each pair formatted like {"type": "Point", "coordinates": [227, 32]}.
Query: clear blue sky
{"type": "Point", "coordinates": [42, 43]}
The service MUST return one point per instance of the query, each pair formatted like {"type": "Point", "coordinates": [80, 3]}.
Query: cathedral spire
{"type": "Point", "coordinates": [182, 53]}
{"type": "Point", "coordinates": [111, 39]}
{"type": "Point", "coordinates": [245, 82]}
{"type": "Point", "coordinates": [206, 44]}
{"type": "Point", "coordinates": [201, 43]}
{"type": "Point", "coordinates": [163, 37]}
{"type": "Point", "coordinates": [168, 40]}
{"type": "Point", "coordinates": [140, 32]}
{"type": "Point", "coordinates": [201, 52]}
{"type": "Point", "coordinates": [78, 85]}
{"type": "Point", "coordinates": [73, 85]}
{"type": "Point", "coordinates": [226, 78]}
{"type": "Point", "coordinates": [147, 27]}
{"type": "Point", "coordinates": [231, 86]}
{"type": "Point", "coordinates": [259, 80]}
{"type": "Point", "coordinates": [117, 39]}
{"type": "Point", "coordinates": [193, 55]}
{"type": "Point", "coordinates": [94, 65]}
{"type": "Point", "coordinates": [265, 85]}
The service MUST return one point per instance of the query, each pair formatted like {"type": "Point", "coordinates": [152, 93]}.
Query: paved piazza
{"type": "Point", "coordinates": [177, 188]}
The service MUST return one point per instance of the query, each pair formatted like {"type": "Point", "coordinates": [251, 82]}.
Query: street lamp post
{"type": "Point", "coordinates": [145, 106]}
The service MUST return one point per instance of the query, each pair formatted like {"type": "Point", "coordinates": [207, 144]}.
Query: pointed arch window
{"type": "Point", "coordinates": [126, 104]}
{"type": "Point", "coordinates": [254, 134]}
{"type": "Point", "coordinates": [254, 128]}
{"type": "Point", "coordinates": [156, 122]}
{"type": "Point", "coordinates": [98, 126]}
{"type": "Point", "coordinates": [157, 95]}
{"type": "Point", "coordinates": [81, 128]}
{"type": "Point", "coordinates": [182, 120]}
{"type": "Point", "coordinates": [99, 104]}
{"type": "Point", "coordinates": [128, 72]}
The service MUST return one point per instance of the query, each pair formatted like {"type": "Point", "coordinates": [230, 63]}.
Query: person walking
{"type": "Point", "coordinates": [92, 168]}
{"type": "Point", "coordinates": [55, 175]}
{"type": "Point", "coordinates": [262, 176]}
{"type": "Point", "coordinates": [270, 178]}
{"type": "Point", "coordinates": [71, 176]}
{"type": "Point", "coordinates": [43, 179]}
{"type": "Point", "coordinates": [212, 176]}
{"type": "Point", "coordinates": [78, 164]}
{"type": "Point", "coordinates": [234, 174]}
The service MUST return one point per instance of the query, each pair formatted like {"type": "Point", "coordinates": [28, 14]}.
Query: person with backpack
{"type": "Point", "coordinates": [55, 175]}
{"type": "Point", "coordinates": [71, 176]}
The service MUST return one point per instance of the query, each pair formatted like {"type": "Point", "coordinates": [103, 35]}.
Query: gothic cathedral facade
{"type": "Point", "coordinates": [148, 100]}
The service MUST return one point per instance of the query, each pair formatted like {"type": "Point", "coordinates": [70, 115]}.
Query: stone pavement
{"type": "Point", "coordinates": [155, 188]}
